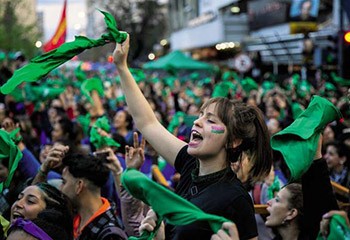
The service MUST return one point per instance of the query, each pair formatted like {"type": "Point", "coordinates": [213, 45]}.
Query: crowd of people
{"type": "Point", "coordinates": [207, 140]}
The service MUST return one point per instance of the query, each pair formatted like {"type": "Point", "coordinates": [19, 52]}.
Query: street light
{"type": "Point", "coordinates": [38, 44]}
{"type": "Point", "coordinates": [151, 56]}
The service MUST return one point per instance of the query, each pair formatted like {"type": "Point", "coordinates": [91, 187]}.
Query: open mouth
{"type": "Point", "coordinates": [16, 215]}
{"type": "Point", "coordinates": [196, 136]}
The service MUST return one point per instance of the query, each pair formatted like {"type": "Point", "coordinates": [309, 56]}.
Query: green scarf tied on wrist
{"type": "Point", "coordinates": [298, 142]}
{"type": "Point", "coordinates": [10, 155]}
{"type": "Point", "coordinates": [168, 205]}
{"type": "Point", "coordinates": [40, 66]}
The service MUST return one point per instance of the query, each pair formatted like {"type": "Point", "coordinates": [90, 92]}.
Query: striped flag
{"type": "Point", "coordinates": [60, 35]}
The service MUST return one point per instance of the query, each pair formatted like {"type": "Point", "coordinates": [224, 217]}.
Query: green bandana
{"type": "Point", "coordinates": [101, 141]}
{"type": "Point", "coordinates": [338, 229]}
{"type": "Point", "coordinates": [177, 119]}
{"type": "Point", "coordinates": [248, 84]}
{"type": "Point", "coordinates": [168, 205]}
{"type": "Point", "coordinates": [222, 89]}
{"type": "Point", "coordinates": [339, 80]}
{"type": "Point", "coordinates": [275, 187]}
{"type": "Point", "coordinates": [79, 73]}
{"type": "Point", "coordinates": [9, 150]}
{"type": "Point", "coordinates": [2, 56]}
{"type": "Point", "coordinates": [303, 134]}
{"type": "Point", "coordinates": [84, 121]}
{"type": "Point", "coordinates": [40, 66]}
{"type": "Point", "coordinates": [92, 84]}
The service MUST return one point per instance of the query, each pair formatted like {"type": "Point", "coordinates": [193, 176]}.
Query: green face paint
{"type": "Point", "coordinates": [217, 129]}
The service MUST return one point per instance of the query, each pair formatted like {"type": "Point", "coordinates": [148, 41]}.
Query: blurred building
{"type": "Point", "coordinates": [273, 32]}
{"type": "Point", "coordinates": [209, 29]}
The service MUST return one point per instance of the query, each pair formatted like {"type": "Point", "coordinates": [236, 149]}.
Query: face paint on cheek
{"type": "Point", "coordinates": [217, 129]}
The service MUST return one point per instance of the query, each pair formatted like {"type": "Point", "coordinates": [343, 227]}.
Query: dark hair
{"type": "Point", "coordinates": [67, 128]}
{"type": "Point", "coordinates": [51, 222]}
{"type": "Point", "coordinates": [296, 201]}
{"type": "Point", "coordinates": [128, 119]}
{"type": "Point", "coordinates": [87, 166]}
{"type": "Point", "coordinates": [342, 150]}
{"type": "Point", "coordinates": [247, 123]}
{"type": "Point", "coordinates": [57, 201]}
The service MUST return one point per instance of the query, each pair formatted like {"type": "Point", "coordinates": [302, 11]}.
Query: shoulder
{"type": "Point", "coordinates": [112, 232]}
{"type": "Point", "coordinates": [184, 160]}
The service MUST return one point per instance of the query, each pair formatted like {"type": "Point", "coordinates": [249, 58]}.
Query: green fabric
{"type": "Point", "coordinates": [330, 86]}
{"type": "Point", "coordinates": [177, 119]}
{"type": "Point", "coordinates": [84, 121]}
{"type": "Point", "coordinates": [40, 66]}
{"type": "Point", "coordinates": [44, 92]}
{"type": "Point", "coordinates": [18, 95]}
{"type": "Point", "coordinates": [138, 74]}
{"type": "Point", "coordinates": [13, 135]}
{"type": "Point", "coordinates": [267, 85]}
{"type": "Point", "coordinates": [303, 134]}
{"type": "Point", "coordinates": [339, 80]}
{"type": "Point", "coordinates": [248, 84]}
{"type": "Point", "coordinates": [167, 204]}
{"type": "Point", "coordinates": [222, 89]}
{"type": "Point", "coordinates": [4, 224]}
{"type": "Point", "coordinates": [2, 56]}
{"type": "Point", "coordinates": [9, 150]}
{"type": "Point", "coordinates": [101, 141]}
{"type": "Point", "coordinates": [304, 88]}
{"type": "Point", "coordinates": [297, 109]}
{"type": "Point", "coordinates": [79, 73]}
{"type": "Point", "coordinates": [338, 229]}
{"type": "Point", "coordinates": [92, 84]}
{"type": "Point", "coordinates": [275, 187]}
{"type": "Point", "coordinates": [161, 163]}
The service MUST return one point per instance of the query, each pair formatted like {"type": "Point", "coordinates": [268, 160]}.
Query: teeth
{"type": "Point", "coordinates": [196, 135]}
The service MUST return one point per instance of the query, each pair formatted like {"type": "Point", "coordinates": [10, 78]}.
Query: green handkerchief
{"type": "Point", "coordinates": [167, 205]}
{"type": "Point", "coordinates": [298, 142]}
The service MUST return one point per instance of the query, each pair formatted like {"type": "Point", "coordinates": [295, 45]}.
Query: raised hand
{"type": "Point", "coordinates": [120, 53]}
{"type": "Point", "coordinates": [135, 156]}
{"type": "Point", "coordinates": [228, 231]}
{"type": "Point", "coordinates": [54, 157]}
{"type": "Point", "coordinates": [113, 162]}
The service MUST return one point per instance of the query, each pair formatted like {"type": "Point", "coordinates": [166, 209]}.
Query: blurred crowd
{"type": "Point", "coordinates": [77, 124]}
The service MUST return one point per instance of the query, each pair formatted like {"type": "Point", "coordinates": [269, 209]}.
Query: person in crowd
{"type": "Point", "coordinates": [222, 132]}
{"type": "Point", "coordinates": [337, 156]}
{"type": "Point", "coordinates": [123, 125]}
{"type": "Point", "coordinates": [297, 209]}
{"type": "Point", "coordinates": [83, 176]}
{"type": "Point", "coordinates": [48, 225]}
{"type": "Point", "coordinates": [42, 196]}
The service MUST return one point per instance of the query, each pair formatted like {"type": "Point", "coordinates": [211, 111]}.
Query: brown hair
{"type": "Point", "coordinates": [247, 123]}
{"type": "Point", "coordinates": [296, 201]}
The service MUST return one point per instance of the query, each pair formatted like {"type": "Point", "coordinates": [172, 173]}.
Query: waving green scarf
{"type": "Point", "coordinates": [40, 66]}
{"type": "Point", "coordinates": [298, 142]}
{"type": "Point", "coordinates": [167, 205]}
{"type": "Point", "coordinates": [101, 141]}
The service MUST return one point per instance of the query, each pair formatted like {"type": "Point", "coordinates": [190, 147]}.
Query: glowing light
{"type": "Point", "coordinates": [151, 56]}
{"type": "Point", "coordinates": [38, 44]}
{"type": "Point", "coordinates": [163, 42]}
{"type": "Point", "coordinates": [347, 37]}
{"type": "Point", "coordinates": [235, 9]}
